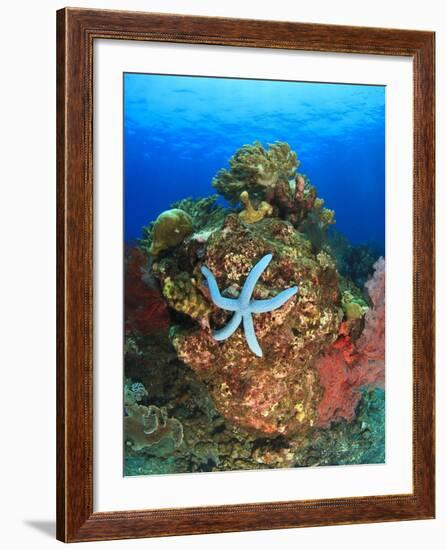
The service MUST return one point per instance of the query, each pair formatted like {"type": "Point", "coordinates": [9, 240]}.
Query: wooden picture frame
{"type": "Point", "coordinates": [77, 29]}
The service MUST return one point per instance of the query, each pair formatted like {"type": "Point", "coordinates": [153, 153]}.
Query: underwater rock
{"type": "Point", "coordinates": [243, 307]}
{"type": "Point", "coordinates": [278, 393]}
{"type": "Point", "coordinates": [255, 169]}
{"type": "Point", "coordinates": [212, 444]}
{"type": "Point", "coordinates": [169, 230]}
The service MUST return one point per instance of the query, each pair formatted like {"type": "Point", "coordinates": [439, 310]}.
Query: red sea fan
{"type": "Point", "coordinates": [340, 397]}
{"type": "Point", "coordinates": [145, 308]}
{"type": "Point", "coordinates": [345, 368]}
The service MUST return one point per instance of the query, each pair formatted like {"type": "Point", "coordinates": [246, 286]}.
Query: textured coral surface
{"type": "Point", "coordinates": [277, 393]}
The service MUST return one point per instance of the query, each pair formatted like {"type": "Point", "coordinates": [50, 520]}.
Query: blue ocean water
{"type": "Point", "coordinates": [179, 131]}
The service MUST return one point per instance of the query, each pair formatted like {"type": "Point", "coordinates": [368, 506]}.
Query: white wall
{"type": "Point", "coordinates": [27, 215]}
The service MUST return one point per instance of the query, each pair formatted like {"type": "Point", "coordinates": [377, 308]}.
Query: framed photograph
{"type": "Point", "coordinates": [245, 275]}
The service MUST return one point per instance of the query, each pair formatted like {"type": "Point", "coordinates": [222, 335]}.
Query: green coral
{"type": "Point", "coordinates": [182, 295]}
{"type": "Point", "coordinates": [204, 212]}
{"type": "Point", "coordinates": [255, 169]}
{"type": "Point", "coordinates": [354, 306]}
{"type": "Point", "coordinates": [169, 230]}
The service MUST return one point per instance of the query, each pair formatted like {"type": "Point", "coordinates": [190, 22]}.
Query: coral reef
{"type": "Point", "coordinates": [134, 392]}
{"type": "Point", "coordinates": [348, 366]}
{"type": "Point", "coordinates": [300, 382]}
{"type": "Point", "coordinates": [354, 307]}
{"type": "Point", "coordinates": [256, 169]}
{"type": "Point", "coordinates": [276, 394]}
{"type": "Point", "coordinates": [212, 444]}
{"type": "Point", "coordinates": [266, 183]}
{"type": "Point", "coordinates": [169, 229]}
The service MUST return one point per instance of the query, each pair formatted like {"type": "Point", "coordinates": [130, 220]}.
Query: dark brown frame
{"type": "Point", "coordinates": [76, 31]}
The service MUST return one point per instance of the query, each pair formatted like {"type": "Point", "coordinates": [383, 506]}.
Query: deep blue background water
{"type": "Point", "coordinates": [179, 131]}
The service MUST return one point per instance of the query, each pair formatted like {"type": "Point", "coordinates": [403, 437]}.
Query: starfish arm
{"type": "Point", "coordinates": [263, 306]}
{"type": "Point", "coordinates": [250, 335]}
{"type": "Point", "coordinates": [253, 277]}
{"type": "Point", "coordinates": [229, 329]}
{"type": "Point", "coordinates": [224, 303]}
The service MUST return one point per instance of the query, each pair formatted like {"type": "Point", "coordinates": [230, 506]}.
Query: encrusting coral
{"type": "Point", "coordinates": [354, 307]}
{"type": "Point", "coordinates": [149, 429]}
{"type": "Point", "coordinates": [182, 295]}
{"type": "Point", "coordinates": [277, 393]}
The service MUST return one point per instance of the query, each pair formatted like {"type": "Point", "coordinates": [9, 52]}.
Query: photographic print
{"type": "Point", "coordinates": [254, 274]}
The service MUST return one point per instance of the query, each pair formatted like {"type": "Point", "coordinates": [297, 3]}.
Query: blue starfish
{"type": "Point", "coordinates": [243, 306]}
